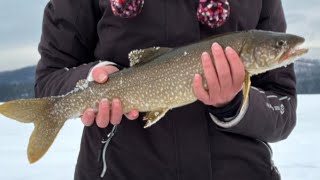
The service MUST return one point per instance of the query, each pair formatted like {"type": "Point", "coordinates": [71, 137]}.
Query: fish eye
{"type": "Point", "coordinates": [281, 43]}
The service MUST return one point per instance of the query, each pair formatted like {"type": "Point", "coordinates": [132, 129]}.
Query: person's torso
{"type": "Point", "coordinates": [185, 144]}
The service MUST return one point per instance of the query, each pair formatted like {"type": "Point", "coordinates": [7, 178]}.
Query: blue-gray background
{"type": "Point", "coordinates": [20, 28]}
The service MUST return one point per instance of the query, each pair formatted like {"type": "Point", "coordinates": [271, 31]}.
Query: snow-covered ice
{"type": "Point", "coordinates": [297, 157]}
{"type": "Point", "coordinates": [57, 164]}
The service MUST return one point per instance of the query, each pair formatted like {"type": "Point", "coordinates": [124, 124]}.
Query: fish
{"type": "Point", "coordinates": [158, 79]}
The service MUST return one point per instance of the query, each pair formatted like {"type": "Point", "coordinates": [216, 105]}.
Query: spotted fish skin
{"type": "Point", "coordinates": [158, 80]}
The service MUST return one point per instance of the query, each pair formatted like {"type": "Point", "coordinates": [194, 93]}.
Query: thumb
{"type": "Point", "coordinates": [100, 74]}
{"type": "Point", "coordinates": [132, 115]}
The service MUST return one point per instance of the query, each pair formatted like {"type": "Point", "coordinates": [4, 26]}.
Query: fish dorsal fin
{"type": "Point", "coordinates": [142, 56]}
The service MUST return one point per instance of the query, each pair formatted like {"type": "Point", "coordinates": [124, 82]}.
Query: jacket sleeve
{"type": "Point", "coordinates": [270, 114]}
{"type": "Point", "coordinates": [68, 39]}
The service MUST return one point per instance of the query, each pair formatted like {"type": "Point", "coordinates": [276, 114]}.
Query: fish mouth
{"type": "Point", "coordinates": [294, 52]}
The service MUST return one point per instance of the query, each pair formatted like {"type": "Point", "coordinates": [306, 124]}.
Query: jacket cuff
{"type": "Point", "coordinates": [102, 63]}
{"type": "Point", "coordinates": [230, 110]}
{"type": "Point", "coordinates": [230, 121]}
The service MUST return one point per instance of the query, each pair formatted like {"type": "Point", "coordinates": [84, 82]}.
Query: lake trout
{"type": "Point", "coordinates": [158, 80]}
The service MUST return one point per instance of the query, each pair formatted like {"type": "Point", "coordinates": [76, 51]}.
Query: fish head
{"type": "Point", "coordinates": [263, 51]}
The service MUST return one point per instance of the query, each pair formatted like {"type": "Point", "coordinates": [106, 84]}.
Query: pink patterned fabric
{"type": "Point", "coordinates": [213, 13]}
{"type": "Point", "coordinates": [126, 8]}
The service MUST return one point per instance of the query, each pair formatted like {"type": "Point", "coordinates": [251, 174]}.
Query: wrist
{"type": "Point", "coordinates": [229, 109]}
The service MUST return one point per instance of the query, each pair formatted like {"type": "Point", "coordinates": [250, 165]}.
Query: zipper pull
{"type": "Point", "coordinates": [104, 150]}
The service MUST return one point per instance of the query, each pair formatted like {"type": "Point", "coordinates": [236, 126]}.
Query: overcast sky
{"type": "Point", "coordinates": [20, 28]}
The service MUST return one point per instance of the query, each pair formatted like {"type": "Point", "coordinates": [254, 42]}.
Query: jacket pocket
{"type": "Point", "coordinates": [275, 174]}
{"type": "Point", "coordinates": [85, 173]}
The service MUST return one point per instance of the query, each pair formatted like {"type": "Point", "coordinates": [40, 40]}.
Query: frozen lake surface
{"type": "Point", "coordinates": [297, 157]}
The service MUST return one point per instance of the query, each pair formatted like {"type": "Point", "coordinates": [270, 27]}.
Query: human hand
{"type": "Point", "coordinates": [106, 115]}
{"type": "Point", "coordinates": [224, 77]}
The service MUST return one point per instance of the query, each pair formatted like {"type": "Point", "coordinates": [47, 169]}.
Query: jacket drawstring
{"type": "Point", "coordinates": [103, 154]}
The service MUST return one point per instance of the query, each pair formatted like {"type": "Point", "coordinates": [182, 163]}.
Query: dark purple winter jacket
{"type": "Point", "coordinates": [186, 144]}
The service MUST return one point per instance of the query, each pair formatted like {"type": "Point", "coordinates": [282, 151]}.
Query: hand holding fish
{"type": "Point", "coordinates": [224, 78]}
{"type": "Point", "coordinates": [106, 114]}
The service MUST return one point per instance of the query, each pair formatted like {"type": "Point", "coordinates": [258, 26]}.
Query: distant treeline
{"type": "Point", "coordinates": [16, 91]}
{"type": "Point", "coordinates": [308, 76]}
{"type": "Point", "coordinates": [19, 84]}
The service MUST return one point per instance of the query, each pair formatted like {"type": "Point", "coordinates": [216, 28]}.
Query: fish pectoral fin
{"type": "Point", "coordinates": [154, 116]}
{"type": "Point", "coordinates": [246, 89]}
{"type": "Point", "coordinates": [142, 56]}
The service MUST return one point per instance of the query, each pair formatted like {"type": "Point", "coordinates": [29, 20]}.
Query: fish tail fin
{"type": "Point", "coordinates": [26, 110]}
{"type": "Point", "coordinates": [46, 124]}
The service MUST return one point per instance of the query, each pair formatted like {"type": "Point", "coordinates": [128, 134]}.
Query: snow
{"type": "Point", "coordinates": [58, 163]}
{"type": "Point", "coordinates": [297, 157]}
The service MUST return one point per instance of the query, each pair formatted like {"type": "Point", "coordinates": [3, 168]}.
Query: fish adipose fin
{"type": "Point", "coordinates": [154, 116]}
{"type": "Point", "coordinates": [141, 56]}
{"type": "Point", "coordinates": [246, 89]}
{"type": "Point", "coordinates": [46, 125]}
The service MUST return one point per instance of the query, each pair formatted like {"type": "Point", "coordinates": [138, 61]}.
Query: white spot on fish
{"type": "Point", "coordinates": [90, 89]}
{"type": "Point", "coordinates": [121, 81]}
